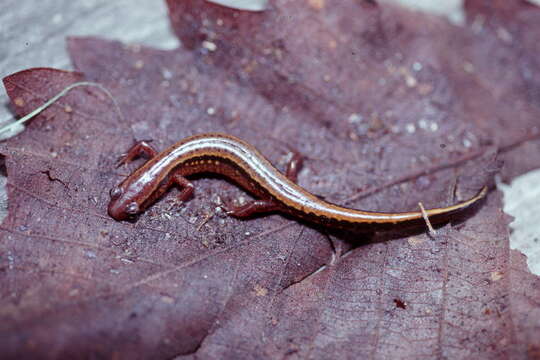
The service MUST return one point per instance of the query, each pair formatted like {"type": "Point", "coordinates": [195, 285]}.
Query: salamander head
{"type": "Point", "coordinates": [123, 204]}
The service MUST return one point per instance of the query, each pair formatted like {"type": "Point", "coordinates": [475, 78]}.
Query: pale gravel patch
{"type": "Point", "coordinates": [251, 5]}
{"type": "Point", "coordinates": [451, 9]}
{"type": "Point", "coordinates": [3, 198]}
{"type": "Point", "coordinates": [522, 201]}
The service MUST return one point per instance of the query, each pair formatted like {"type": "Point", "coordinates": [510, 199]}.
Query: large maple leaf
{"type": "Point", "coordinates": [390, 107]}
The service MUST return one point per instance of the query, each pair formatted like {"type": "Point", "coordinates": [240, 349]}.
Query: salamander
{"type": "Point", "coordinates": [242, 163]}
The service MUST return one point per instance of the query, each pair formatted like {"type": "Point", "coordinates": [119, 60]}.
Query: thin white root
{"type": "Point", "coordinates": [21, 121]}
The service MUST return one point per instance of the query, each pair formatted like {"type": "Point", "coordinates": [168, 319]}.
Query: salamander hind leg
{"type": "Point", "coordinates": [294, 166]}
{"type": "Point", "coordinates": [139, 149]}
{"type": "Point", "coordinates": [251, 208]}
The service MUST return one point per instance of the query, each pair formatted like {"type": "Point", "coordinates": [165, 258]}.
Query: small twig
{"type": "Point", "coordinates": [432, 231]}
{"type": "Point", "coordinates": [207, 217]}
{"type": "Point", "coordinates": [55, 98]}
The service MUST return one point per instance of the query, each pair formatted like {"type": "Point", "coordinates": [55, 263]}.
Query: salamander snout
{"type": "Point", "coordinates": [121, 208]}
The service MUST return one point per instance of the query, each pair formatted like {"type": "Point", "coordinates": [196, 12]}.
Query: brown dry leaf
{"type": "Point", "coordinates": [395, 105]}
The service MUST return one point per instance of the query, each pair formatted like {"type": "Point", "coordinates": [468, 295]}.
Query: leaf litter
{"type": "Point", "coordinates": [390, 107]}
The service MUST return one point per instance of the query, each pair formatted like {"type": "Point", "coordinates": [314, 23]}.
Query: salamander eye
{"type": "Point", "coordinates": [132, 208]}
{"type": "Point", "coordinates": [115, 192]}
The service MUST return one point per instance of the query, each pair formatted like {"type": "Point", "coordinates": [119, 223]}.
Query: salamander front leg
{"type": "Point", "coordinates": [251, 208]}
{"type": "Point", "coordinates": [139, 149]}
{"type": "Point", "coordinates": [187, 188]}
